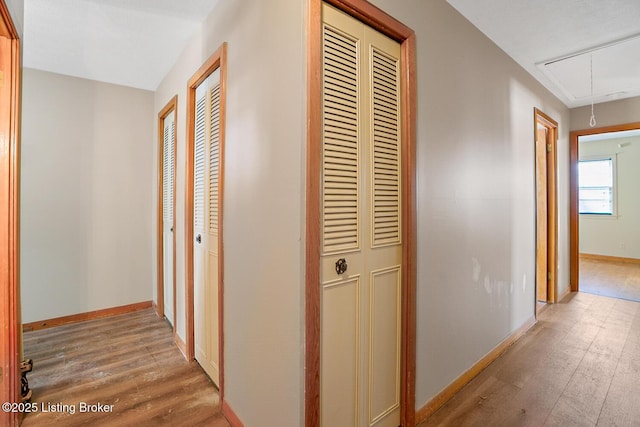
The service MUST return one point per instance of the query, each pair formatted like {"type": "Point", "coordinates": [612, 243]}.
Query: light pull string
{"type": "Point", "coordinates": [592, 121]}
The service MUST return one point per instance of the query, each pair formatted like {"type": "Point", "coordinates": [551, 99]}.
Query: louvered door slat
{"type": "Point", "coordinates": [199, 164]}
{"type": "Point", "coordinates": [214, 160]}
{"type": "Point", "coordinates": [340, 142]}
{"type": "Point", "coordinates": [386, 149]}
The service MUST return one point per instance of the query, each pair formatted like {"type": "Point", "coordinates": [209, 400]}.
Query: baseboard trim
{"type": "Point", "coordinates": [81, 317]}
{"type": "Point", "coordinates": [230, 415]}
{"type": "Point", "coordinates": [607, 258]}
{"type": "Point", "coordinates": [181, 345]}
{"type": "Point", "coordinates": [567, 292]}
{"type": "Point", "coordinates": [441, 398]}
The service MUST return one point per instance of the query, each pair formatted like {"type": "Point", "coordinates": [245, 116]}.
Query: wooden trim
{"type": "Point", "coordinates": [608, 258]}
{"type": "Point", "coordinates": [90, 315]}
{"type": "Point", "coordinates": [180, 344]}
{"type": "Point", "coordinates": [552, 201]}
{"type": "Point", "coordinates": [217, 60]}
{"type": "Point", "coordinates": [380, 21]}
{"type": "Point", "coordinates": [230, 415]}
{"type": "Point", "coordinates": [11, 338]}
{"type": "Point", "coordinates": [574, 232]}
{"type": "Point", "coordinates": [172, 105]}
{"type": "Point", "coordinates": [441, 398]}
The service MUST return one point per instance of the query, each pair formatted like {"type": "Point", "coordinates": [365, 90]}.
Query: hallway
{"type": "Point", "coordinates": [578, 366]}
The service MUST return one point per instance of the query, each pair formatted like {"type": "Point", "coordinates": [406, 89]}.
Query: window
{"type": "Point", "coordinates": [595, 184]}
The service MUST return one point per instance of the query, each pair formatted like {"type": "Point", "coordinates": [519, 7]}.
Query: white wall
{"type": "Point", "coordinates": [607, 114]}
{"type": "Point", "coordinates": [618, 235]}
{"type": "Point", "coordinates": [264, 195]}
{"type": "Point", "coordinates": [86, 195]}
{"type": "Point", "coordinates": [476, 200]}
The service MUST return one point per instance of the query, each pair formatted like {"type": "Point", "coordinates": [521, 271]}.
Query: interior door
{"type": "Point", "coordinates": [542, 245]}
{"type": "Point", "coordinates": [168, 174]}
{"type": "Point", "coordinates": [205, 225]}
{"type": "Point", "coordinates": [361, 262]}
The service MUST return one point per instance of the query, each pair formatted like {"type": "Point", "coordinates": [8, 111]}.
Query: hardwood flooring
{"type": "Point", "coordinates": [610, 278]}
{"type": "Point", "coordinates": [578, 366]}
{"type": "Point", "coordinates": [128, 361]}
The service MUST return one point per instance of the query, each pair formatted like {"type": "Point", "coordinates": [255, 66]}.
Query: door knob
{"type": "Point", "coordinates": [341, 266]}
{"type": "Point", "coordinates": [199, 238]}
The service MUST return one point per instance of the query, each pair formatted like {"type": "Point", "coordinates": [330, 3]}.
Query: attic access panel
{"type": "Point", "coordinates": [616, 72]}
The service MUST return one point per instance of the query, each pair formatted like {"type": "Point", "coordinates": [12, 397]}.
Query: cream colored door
{"type": "Point", "coordinates": [361, 247]}
{"type": "Point", "coordinates": [206, 218]}
{"type": "Point", "coordinates": [542, 269]}
{"type": "Point", "coordinates": [168, 174]}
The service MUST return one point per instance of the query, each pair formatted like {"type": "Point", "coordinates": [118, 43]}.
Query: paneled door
{"type": "Point", "coordinates": [542, 268]}
{"type": "Point", "coordinates": [361, 253]}
{"type": "Point", "coordinates": [205, 224]}
{"type": "Point", "coordinates": [168, 177]}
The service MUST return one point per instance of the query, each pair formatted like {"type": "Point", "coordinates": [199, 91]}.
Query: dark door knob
{"type": "Point", "coordinates": [199, 238]}
{"type": "Point", "coordinates": [341, 266]}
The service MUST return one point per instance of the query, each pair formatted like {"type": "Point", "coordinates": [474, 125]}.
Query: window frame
{"type": "Point", "coordinates": [614, 186]}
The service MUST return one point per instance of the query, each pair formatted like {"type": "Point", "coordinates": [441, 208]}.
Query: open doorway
{"type": "Point", "coordinates": [605, 207]}
{"type": "Point", "coordinates": [546, 137]}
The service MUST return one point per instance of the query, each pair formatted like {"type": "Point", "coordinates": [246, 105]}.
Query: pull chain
{"type": "Point", "coordinates": [592, 121]}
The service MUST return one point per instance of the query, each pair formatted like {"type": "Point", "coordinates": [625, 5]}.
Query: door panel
{"type": "Point", "coordinates": [360, 307]}
{"type": "Point", "coordinates": [168, 176]}
{"type": "Point", "coordinates": [206, 224]}
{"type": "Point", "coordinates": [541, 214]}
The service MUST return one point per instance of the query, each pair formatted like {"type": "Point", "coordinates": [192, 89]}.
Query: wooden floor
{"type": "Point", "coordinates": [128, 361]}
{"type": "Point", "coordinates": [578, 366]}
{"type": "Point", "coordinates": [610, 278]}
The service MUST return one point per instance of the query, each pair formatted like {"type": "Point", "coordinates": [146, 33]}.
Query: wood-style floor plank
{"type": "Point", "coordinates": [128, 361]}
{"type": "Point", "coordinates": [578, 366]}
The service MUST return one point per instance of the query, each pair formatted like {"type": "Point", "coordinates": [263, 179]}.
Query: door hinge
{"type": "Point", "coordinates": [548, 275]}
{"type": "Point", "coordinates": [548, 148]}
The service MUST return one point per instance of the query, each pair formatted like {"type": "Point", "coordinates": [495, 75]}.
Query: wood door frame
{"type": "Point", "coordinates": [574, 231]}
{"type": "Point", "coordinates": [218, 60]}
{"type": "Point", "coordinates": [172, 106]}
{"type": "Point", "coordinates": [540, 118]}
{"type": "Point", "coordinates": [387, 25]}
{"type": "Point", "coordinates": [11, 342]}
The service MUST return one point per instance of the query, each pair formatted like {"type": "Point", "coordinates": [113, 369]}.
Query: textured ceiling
{"type": "Point", "coordinates": [126, 42]}
{"type": "Point", "coordinates": [555, 41]}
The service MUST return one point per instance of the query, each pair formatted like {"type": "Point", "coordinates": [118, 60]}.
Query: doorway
{"type": "Point", "coordinates": [360, 207]}
{"type": "Point", "coordinates": [166, 287]}
{"type": "Point", "coordinates": [546, 137]}
{"type": "Point", "coordinates": [608, 219]}
{"type": "Point", "coordinates": [11, 338]}
{"type": "Point", "coordinates": [206, 101]}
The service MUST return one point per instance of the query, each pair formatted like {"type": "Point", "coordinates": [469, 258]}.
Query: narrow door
{"type": "Point", "coordinates": [168, 173]}
{"type": "Point", "coordinates": [361, 247]}
{"type": "Point", "coordinates": [205, 225]}
{"type": "Point", "coordinates": [542, 268]}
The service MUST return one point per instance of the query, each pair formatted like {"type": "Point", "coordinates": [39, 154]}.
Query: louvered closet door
{"type": "Point", "coordinates": [168, 176]}
{"type": "Point", "coordinates": [360, 308]}
{"type": "Point", "coordinates": [206, 220]}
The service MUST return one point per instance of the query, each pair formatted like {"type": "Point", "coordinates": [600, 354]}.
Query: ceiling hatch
{"type": "Point", "coordinates": [616, 72]}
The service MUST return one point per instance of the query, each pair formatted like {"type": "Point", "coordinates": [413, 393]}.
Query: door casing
{"type": "Point", "coordinates": [11, 338]}
{"type": "Point", "coordinates": [574, 232]}
{"type": "Point", "coordinates": [387, 25]}
{"type": "Point", "coordinates": [172, 105]}
{"type": "Point", "coordinates": [551, 240]}
{"type": "Point", "coordinates": [217, 60]}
